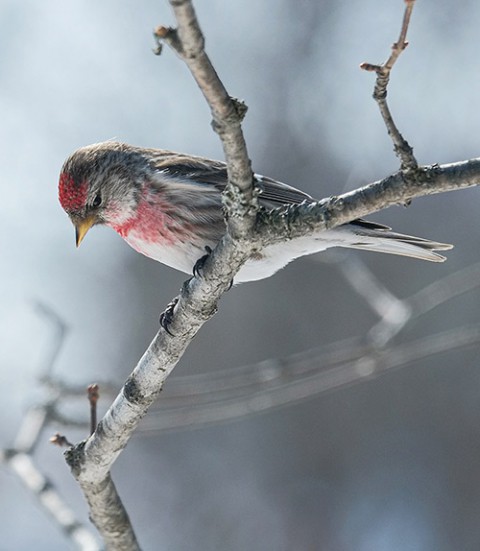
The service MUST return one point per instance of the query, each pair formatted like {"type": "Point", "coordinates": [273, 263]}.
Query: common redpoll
{"type": "Point", "coordinates": [168, 207]}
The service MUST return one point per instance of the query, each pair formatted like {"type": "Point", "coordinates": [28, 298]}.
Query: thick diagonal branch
{"type": "Point", "coordinates": [91, 461]}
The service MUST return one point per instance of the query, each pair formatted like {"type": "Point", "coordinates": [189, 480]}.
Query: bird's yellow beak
{"type": "Point", "coordinates": [82, 227]}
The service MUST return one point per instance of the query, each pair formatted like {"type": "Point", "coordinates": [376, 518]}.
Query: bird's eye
{"type": "Point", "coordinates": [97, 201]}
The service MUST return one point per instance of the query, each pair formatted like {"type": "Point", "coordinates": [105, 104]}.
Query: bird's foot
{"type": "Point", "coordinates": [166, 317]}
{"type": "Point", "coordinates": [200, 263]}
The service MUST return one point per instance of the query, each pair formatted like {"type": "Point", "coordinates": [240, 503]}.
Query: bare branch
{"type": "Point", "coordinates": [91, 461]}
{"type": "Point", "coordinates": [91, 465]}
{"type": "Point", "coordinates": [248, 231]}
{"type": "Point", "coordinates": [306, 219]}
{"type": "Point", "coordinates": [23, 466]}
{"type": "Point", "coordinates": [93, 395]}
{"type": "Point", "coordinates": [227, 112]}
{"type": "Point", "coordinates": [401, 147]}
{"type": "Point", "coordinates": [110, 516]}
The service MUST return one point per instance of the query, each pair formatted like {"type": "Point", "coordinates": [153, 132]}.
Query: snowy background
{"type": "Point", "coordinates": [391, 464]}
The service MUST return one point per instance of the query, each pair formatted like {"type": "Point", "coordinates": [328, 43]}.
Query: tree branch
{"type": "Point", "coordinates": [401, 147]}
{"type": "Point", "coordinates": [91, 461]}
{"type": "Point", "coordinates": [24, 467]}
{"type": "Point", "coordinates": [305, 219]}
{"type": "Point", "coordinates": [248, 231]}
{"type": "Point", "coordinates": [227, 112]}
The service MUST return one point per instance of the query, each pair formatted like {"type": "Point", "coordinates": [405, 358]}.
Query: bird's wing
{"type": "Point", "coordinates": [196, 170]}
{"type": "Point", "coordinates": [273, 194]}
{"type": "Point", "coordinates": [192, 172]}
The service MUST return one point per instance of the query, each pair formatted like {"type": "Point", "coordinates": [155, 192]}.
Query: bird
{"type": "Point", "coordinates": [168, 206]}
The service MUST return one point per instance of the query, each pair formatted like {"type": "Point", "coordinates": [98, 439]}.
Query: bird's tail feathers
{"type": "Point", "coordinates": [384, 241]}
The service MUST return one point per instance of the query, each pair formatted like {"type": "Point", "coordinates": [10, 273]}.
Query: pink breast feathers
{"type": "Point", "coordinates": [150, 224]}
{"type": "Point", "coordinates": [71, 196]}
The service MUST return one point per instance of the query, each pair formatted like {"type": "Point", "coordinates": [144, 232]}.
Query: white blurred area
{"type": "Point", "coordinates": [388, 465]}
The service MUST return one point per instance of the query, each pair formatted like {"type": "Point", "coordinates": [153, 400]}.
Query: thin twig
{"type": "Point", "coordinates": [60, 440]}
{"type": "Point", "coordinates": [93, 395]}
{"type": "Point", "coordinates": [402, 148]}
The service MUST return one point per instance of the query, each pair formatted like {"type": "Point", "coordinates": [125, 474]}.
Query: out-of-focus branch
{"type": "Point", "coordinates": [196, 400]}
{"type": "Point", "coordinates": [60, 330]}
{"type": "Point", "coordinates": [401, 147]}
{"type": "Point", "coordinates": [20, 456]}
{"type": "Point", "coordinates": [424, 301]}
{"type": "Point", "coordinates": [203, 399]}
{"type": "Point", "coordinates": [24, 467]}
{"type": "Point", "coordinates": [303, 376]}
{"type": "Point", "coordinates": [377, 296]}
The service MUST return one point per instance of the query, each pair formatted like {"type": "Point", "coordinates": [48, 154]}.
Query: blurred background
{"type": "Point", "coordinates": [391, 463]}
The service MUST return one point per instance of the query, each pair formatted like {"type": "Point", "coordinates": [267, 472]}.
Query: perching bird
{"type": "Point", "coordinates": [168, 207]}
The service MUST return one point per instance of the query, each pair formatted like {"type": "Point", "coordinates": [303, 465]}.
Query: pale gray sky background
{"type": "Point", "coordinates": [388, 465]}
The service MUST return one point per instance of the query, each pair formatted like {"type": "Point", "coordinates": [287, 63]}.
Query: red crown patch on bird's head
{"type": "Point", "coordinates": [72, 197]}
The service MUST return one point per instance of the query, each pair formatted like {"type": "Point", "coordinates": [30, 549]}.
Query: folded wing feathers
{"type": "Point", "coordinates": [368, 235]}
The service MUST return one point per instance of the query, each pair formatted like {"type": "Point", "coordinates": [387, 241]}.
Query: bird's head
{"type": "Point", "coordinates": [99, 184]}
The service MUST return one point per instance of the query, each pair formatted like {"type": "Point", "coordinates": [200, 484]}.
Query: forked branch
{"type": "Point", "coordinates": [401, 147]}
{"type": "Point", "coordinates": [248, 232]}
